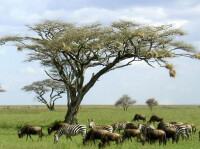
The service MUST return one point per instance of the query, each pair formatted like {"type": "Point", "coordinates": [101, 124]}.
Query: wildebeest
{"type": "Point", "coordinates": [30, 130]}
{"type": "Point", "coordinates": [155, 118]}
{"type": "Point", "coordinates": [155, 134]}
{"type": "Point", "coordinates": [128, 133]}
{"type": "Point", "coordinates": [170, 131]}
{"type": "Point", "coordinates": [56, 127]}
{"type": "Point", "coordinates": [176, 123]}
{"type": "Point", "coordinates": [94, 134]}
{"type": "Point", "coordinates": [138, 117]}
{"type": "Point", "coordinates": [131, 126]}
{"type": "Point", "coordinates": [107, 137]}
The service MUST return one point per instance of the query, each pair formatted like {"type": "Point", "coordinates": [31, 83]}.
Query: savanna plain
{"type": "Point", "coordinates": [13, 118]}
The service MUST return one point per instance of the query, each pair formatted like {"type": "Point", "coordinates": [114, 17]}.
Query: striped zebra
{"type": "Point", "coordinates": [181, 130]}
{"type": "Point", "coordinates": [94, 126]}
{"type": "Point", "coordinates": [70, 130]}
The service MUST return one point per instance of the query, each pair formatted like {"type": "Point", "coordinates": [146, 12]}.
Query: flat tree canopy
{"type": "Point", "coordinates": [125, 101]}
{"type": "Point", "coordinates": [41, 88]}
{"type": "Point", "coordinates": [151, 102]}
{"type": "Point", "coordinates": [67, 50]}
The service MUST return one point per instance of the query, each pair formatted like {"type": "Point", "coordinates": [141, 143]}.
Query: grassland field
{"type": "Point", "coordinates": [14, 117]}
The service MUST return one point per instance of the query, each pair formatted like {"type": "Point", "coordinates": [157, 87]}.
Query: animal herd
{"type": "Point", "coordinates": [144, 132]}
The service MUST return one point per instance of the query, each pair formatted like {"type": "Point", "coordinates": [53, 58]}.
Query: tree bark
{"type": "Point", "coordinates": [71, 115]}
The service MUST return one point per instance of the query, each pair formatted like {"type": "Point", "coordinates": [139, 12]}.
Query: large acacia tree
{"type": "Point", "coordinates": [68, 50]}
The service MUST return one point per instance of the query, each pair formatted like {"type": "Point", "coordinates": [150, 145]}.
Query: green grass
{"type": "Point", "coordinates": [15, 117]}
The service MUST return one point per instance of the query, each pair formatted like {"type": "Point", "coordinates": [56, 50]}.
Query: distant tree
{"type": "Point", "coordinates": [41, 88]}
{"type": "Point", "coordinates": [2, 90]}
{"type": "Point", "coordinates": [125, 101]}
{"type": "Point", "coordinates": [151, 102]}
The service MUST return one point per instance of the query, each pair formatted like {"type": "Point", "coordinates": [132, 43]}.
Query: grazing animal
{"type": "Point", "coordinates": [155, 118]}
{"type": "Point", "coordinates": [56, 127]}
{"type": "Point", "coordinates": [30, 130]}
{"type": "Point", "coordinates": [189, 130]}
{"type": "Point", "coordinates": [128, 133]}
{"type": "Point", "coordinates": [176, 123]}
{"type": "Point", "coordinates": [155, 134]}
{"type": "Point", "coordinates": [181, 130]}
{"type": "Point", "coordinates": [94, 126]}
{"type": "Point", "coordinates": [93, 135]}
{"type": "Point", "coordinates": [131, 126]}
{"type": "Point", "coordinates": [107, 137]}
{"type": "Point", "coordinates": [193, 127]}
{"type": "Point", "coordinates": [170, 131]}
{"type": "Point", "coordinates": [119, 126]}
{"type": "Point", "coordinates": [138, 117]}
{"type": "Point", "coordinates": [70, 130]}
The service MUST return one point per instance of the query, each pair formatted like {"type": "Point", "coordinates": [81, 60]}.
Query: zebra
{"type": "Point", "coordinates": [119, 126]}
{"type": "Point", "coordinates": [94, 126]}
{"type": "Point", "coordinates": [70, 130]}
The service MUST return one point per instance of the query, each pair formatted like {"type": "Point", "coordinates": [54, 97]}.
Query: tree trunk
{"type": "Point", "coordinates": [72, 111]}
{"type": "Point", "coordinates": [51, 108]}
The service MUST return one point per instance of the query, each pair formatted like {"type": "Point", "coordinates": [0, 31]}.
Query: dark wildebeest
{"type": "Point", "coordinates": [176, 123]}
{"type": "Point", "coordinates": [93, 135]}
{"type": "Point", "coordinates": [131, 126]}
{"type": "Point", "coordinates": [138, 117]}
{"type": "Point", "coordinates": [169, 130]}
{"type": "Point", "coordinates": [56, 127]}
{"type": "Point", "coordinates": [155, 118]}
{"type": "Point", "coordinates": [107, 137]}
{"type": "Point", "coordinates": [30, 130]}
{"type": "Point", "coordinates": [155, 134]}
{"type": "Point", "coordinates": [128, 133]}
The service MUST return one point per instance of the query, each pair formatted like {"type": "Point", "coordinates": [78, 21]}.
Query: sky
{"type": "Point", "coordinates": [139, 81]}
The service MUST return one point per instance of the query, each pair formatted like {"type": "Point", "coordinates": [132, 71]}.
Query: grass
{"type": "Point", "coordinates": [15, 117]}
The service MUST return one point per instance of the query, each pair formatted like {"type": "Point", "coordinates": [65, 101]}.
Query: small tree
{"type": "Point", "coordinates": [151, 102]}
{"type": "Point", "coordinates": [125, 101]}
{"type": "Point", "coordinates": [42, 87]}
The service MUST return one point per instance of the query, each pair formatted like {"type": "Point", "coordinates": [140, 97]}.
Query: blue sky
{"type": "Point", "coordinates": [139, 80]}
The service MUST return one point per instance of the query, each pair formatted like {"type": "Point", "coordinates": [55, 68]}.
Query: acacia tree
{"type": "Point", "coordinates": [151, 102]}
{"type": "Point", "coordinates": [67, 50]}
{"type": "Point", "coordinates": [41, 88]}
{"type": "Point", "coordinates": [125, 101]}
